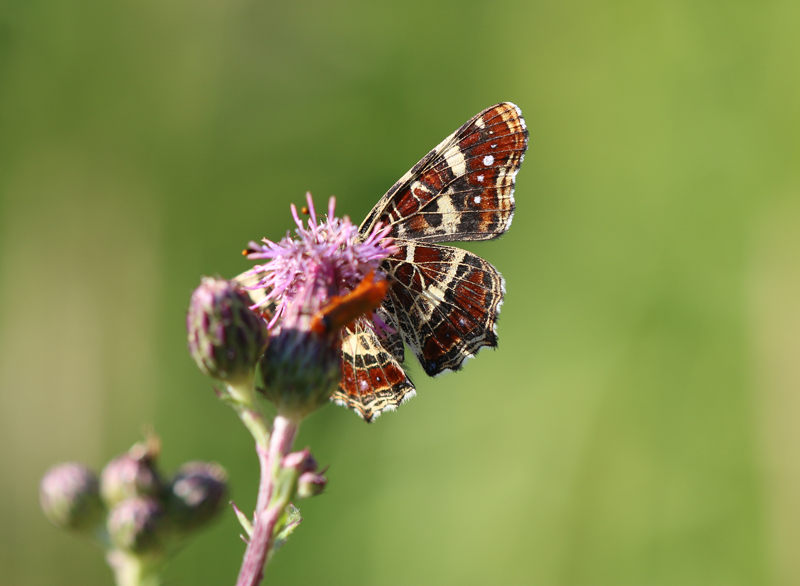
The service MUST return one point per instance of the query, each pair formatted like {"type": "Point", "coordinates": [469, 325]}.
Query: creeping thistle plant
{"type": "Point", "coordinates": [296, 342]}
{"type": "Point", "coordinates": [293, 340]}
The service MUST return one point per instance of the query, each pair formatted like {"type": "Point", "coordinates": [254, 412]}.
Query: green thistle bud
{"type": "Point", "coordinates": [226, 338]}
{"type": "Point", "coordinates": [137, 525]}
{"type": "Point", "coordinates": [70, 498]}
{"type": "Point", "coordinates": [301, 369]}
{"type": "Point", "coordinates": [132, 474]}
{"type": "Point", "coordinates": [196, 494]}
{"type": "Point", "coordinates": [310, 484]}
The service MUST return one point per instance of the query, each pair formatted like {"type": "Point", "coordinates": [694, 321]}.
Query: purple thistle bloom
{"type": "Point", "coordinates": [326, 259]}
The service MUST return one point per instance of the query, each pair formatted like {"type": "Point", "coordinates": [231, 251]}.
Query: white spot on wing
{"type": "Point", "coordinates": [480, 178]}
{"type": "Point", "coordinates": [477, 199]}
{"type": "Point", "coordinates": [487, 160]}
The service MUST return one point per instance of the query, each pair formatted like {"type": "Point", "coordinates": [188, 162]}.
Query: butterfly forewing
{"type": "Point", "coordinates": [463, 189]}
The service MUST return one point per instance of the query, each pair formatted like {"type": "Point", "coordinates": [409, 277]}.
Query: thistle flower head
{"type": "Point", "coordinates": [326, 259]}
{"type": "Point", "coordinates": [314, 284]}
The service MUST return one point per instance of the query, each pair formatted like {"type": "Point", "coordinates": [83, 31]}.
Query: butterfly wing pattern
{"type": "Point", "coordinates": [443, 302]}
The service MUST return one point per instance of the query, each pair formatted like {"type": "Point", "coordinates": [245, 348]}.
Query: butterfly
{"type": "Point", "coordinates": [442, 302]}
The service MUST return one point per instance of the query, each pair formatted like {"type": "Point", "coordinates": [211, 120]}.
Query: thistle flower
{"type": "Point", "coordinates": [326, 260]}
{"type": "Point", "coordinates": [304, 278]}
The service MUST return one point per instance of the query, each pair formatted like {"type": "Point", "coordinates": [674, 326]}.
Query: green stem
{"type": "Point", "coordinates": [247, 408]}
{"type": "Point", "coordinates": [132, 570]}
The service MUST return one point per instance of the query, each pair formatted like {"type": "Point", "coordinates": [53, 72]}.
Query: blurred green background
{"type": "Point", "coordinates": [638, 424]}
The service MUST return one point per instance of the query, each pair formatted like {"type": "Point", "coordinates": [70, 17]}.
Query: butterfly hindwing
{"type": "Point", "coordinates": [445, 300]}
{"type": "Point", "coordinates": [463, 189]}
{"type": "Point", "coordinates": [373, 379]}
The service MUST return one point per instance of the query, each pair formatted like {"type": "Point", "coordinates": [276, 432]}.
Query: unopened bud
{"type": "Point", "coordinates": [301, 461]}
{"type": "Point", "coordinates": [226, 338]}
{"type": "Point", "coordinates": [132, 474]}
{"type": "Point", "coordinates": [310, 484]}
{"type": "Point", "coordinates": [137, 525]}
{"type": "Point", "coordinates": [70, 498]}
{"type": "Point", "coordinates": [196, 494]}
{"type": "Point", "coordinates": [301, 369]}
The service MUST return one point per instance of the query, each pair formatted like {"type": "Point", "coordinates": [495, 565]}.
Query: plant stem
{"type": "Point", "coordinates": [270, 504]}
{"type": "Point", "coordinates": [246, 406]}
{"type": "Point", "coordinates": [130, 570]}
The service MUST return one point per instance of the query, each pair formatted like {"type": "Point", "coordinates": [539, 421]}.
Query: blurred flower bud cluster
{"type": "Point", "coordinates": [132, 508]}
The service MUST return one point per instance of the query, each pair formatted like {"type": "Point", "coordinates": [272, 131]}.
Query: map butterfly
{"type": "Point", "coordinates": [442, 301]}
